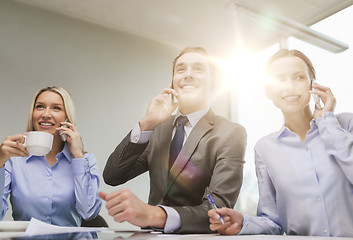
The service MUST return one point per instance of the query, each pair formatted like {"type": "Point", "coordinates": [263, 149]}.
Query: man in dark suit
{"type": "Point", "coordinates": [210, 160]}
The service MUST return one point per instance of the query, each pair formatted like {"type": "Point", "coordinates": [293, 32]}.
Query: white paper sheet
{"type": "Point", "coordinates": [36, 227]}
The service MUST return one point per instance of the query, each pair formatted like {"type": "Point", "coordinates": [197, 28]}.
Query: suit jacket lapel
{"type": "Point", "coordinates": [201, 128]}
{"type": "Point", "coordinates": [165, 137]}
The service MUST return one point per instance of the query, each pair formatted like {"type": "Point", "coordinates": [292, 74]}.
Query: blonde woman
{"type": "Point", "coordinates": [61, 187]}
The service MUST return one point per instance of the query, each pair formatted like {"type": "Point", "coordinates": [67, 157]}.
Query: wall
{"type": "Point", "coordinates": [110, 75]}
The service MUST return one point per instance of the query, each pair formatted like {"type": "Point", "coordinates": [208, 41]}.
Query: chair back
{"type": "Point", "coordinates": [95, 222]}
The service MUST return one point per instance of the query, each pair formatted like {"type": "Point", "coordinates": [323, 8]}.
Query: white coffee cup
{"type": "Point", "coordinates": [38, 143]}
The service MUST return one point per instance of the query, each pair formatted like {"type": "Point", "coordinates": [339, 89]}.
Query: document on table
{"type": "Point", "coordinates": [36, 227]}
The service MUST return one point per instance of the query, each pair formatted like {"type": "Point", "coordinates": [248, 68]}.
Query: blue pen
{"type": "Point", "coordinates": [210, 199]}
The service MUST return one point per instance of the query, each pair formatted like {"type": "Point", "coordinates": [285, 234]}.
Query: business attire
{"type": "Point", "coordinates": [210, 162]}
{"type": "Point", "coordinates": [306, 188]}
{"type": "Point", "coordinates": [58, 195]}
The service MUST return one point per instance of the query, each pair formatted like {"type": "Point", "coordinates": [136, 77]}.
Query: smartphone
{"type": "Point", "coordinates": [64, 136]}
{"type": "Point", "coordinates": [316, 100]}
{"type": "Point", "coordinates": [174, 100]}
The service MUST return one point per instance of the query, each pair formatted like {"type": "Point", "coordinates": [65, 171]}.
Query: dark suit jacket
{"type": "Point", "coordinates": [210, 162]}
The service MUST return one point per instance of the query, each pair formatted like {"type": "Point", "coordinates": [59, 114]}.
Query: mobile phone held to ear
{"type": "Point", "coordinates": [64, 136]}
{"type": "Point", "coordinates": [174, 100]}
{"type": "Point", "coordinates": [316, 100]}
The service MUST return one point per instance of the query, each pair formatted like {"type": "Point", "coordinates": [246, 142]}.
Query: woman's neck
{"type": "Point", "coordinates": [57, 147]}
{"type": "Point", "coordinates": [299, 122]}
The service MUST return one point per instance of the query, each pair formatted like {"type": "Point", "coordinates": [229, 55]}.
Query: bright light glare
{"type": "Point", "coordinates": [243, 71]}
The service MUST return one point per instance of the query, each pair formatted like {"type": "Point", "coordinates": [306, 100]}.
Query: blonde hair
{"type": "Point", "coordinates": [68, 105]}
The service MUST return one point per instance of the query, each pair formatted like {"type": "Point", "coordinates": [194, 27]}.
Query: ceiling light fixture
{"type": "Point", "coordinates": [290, 27]}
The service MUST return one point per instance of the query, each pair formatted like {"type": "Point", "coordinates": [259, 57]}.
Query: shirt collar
{"type": "Point", "coordinates": [193, 117]}
{"type": "Point", "coordinates": [65, 153]}
{"type": "Point", "coordinates": [313, 123]}
{"type": "Point", "coordinates": [284, 131]}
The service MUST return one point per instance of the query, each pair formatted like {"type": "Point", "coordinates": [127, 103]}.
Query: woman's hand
{"type": "Point", "coordinates": [73, 138]}
{"type": "Point", "coordinates": [326, 97]}
{"type": "Point", "coordinates": [12, 146]}
{"type": "Point", "coordinates": [233, 221]}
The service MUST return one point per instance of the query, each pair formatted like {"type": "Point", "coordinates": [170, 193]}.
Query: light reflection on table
{"type": "Point", "coordinates": [146, 235]}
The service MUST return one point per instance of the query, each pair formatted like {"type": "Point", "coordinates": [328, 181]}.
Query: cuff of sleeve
{"type": "Point", "coordinates": [173, 221]}
{"type": "Point", "coordinates": [327, 121]}
{"type": "Point", "coordinates": [79, 166]}
{"type": "Point", "coordinates": [246, 225]}
{"type": "Point", "coordinates": [328, 117]}
{"type": "Point", "coordinates": [139, 137]}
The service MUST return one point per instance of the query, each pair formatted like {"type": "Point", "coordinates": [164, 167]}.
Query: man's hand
{"type": "Point", "coordinates": [233, 221]}
{"type": "Point", "coordinates": [12, 146]}
{"type": "Point", "coordinates": [123, 205]}
{"type": "Point", "coordinates": [326, 97]}
{"type": "Point", "coordinates": [159, 110]}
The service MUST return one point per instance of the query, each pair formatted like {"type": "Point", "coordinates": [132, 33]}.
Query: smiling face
{"type": "Point", "coordinates": [192, 81]}
{"type": "Point", "coordinates": [289, 84]}
{"type": "Point", "coordinates": [48, 112]}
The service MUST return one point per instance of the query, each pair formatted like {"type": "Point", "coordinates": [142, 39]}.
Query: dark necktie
{"type": "Point", "coordinates": [177, 142]}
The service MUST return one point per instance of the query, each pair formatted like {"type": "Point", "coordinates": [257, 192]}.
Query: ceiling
{"type": "Point", "coordinates": [218, 25]}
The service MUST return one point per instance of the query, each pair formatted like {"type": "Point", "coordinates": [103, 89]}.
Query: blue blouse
{"type": "Point", "coordinates": [2, 180]}
{"type": "Point", "coordinates": [59, 195]}
{"type": "Point", "coordinates": [306, 188]}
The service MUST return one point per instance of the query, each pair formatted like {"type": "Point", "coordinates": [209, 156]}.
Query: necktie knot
{"type": "Point", "coordinates": [182, 120]}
